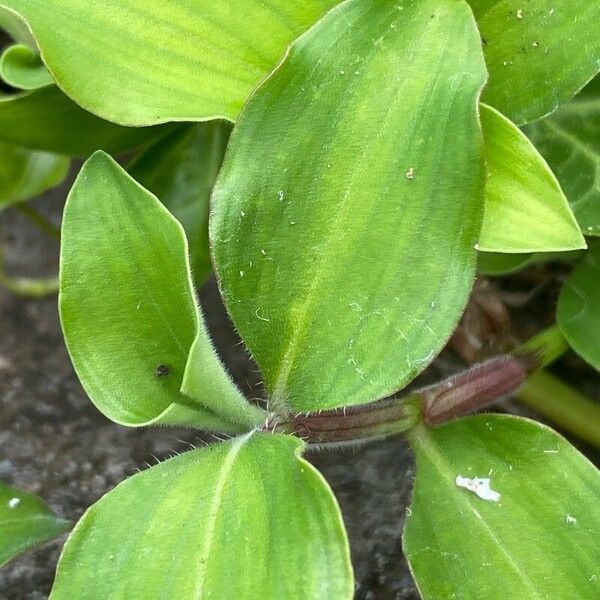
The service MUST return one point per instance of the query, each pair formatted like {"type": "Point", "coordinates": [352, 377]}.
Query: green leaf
{"type": "Point", "coordinates": [525, 208]}
{"type": "Point", "coordinates": [22, 67]}
{"type": "Point", "coordinates": [537, 541]}
{"type": "Point", "coordinates": [539, 54]}
{"type": "Point", "coordinates": [15, 27]}
{"type": "Point", "coordinates": [25, 522]}
{"type": "Point", "coordinates": [164, 61]}
{"type": "Point", "coordinates": [570, 141]}
{"type": "Point", "coordinates": [45, 119]}
{"type": "Point", "coordinates": [244, 519]}
{"type": "Point", "coordinates": [181, 170]}
{"type": "Point", "coordinates": [343, 262]}
{"type": "Point", "coordinates": [128, 309]}
{"type": "Point", "coordinates": [578, 313]}
{"type": "Point", "coordinates": [25, 174]}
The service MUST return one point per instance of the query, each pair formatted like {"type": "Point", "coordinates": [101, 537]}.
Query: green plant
{"type": "Point", "coordinates": [362, 177]}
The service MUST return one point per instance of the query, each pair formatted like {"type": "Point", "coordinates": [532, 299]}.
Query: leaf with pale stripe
{"type": "Point", "coordinates": [244, 519]}
{"type": "Point", "coordinates": [136, 62]}
{"type": "Point", "coordinates": [525, 208]}
{"type": "Point", "coordinates": [538, 540]}
{"type": "Point", "coordinates": [344, 263]}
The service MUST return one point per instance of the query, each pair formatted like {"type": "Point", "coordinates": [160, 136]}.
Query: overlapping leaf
{"type": "Point", "coordinates": [539, 53]}
{"type": "Point", "coordinates": [25, 174]}
{"type": "Point", "coordinates": [538, 539]}
{"type": "Point", "coordinates": [570, 141]}
{"type": "Point", "coordinates": [578, 313]}
{"type": "Point", "coordinates": [22, 67]}
{"type": "Point", "coordinates": [128, 309]}
{"type": "Point", "coordinates": [25, 522]}
{"type": "Point", "coordinates": [141, 63]}
{"type": "Point", "coordinates": [525, 208]}
{"type": "Point", "coordinates": [45, 119]}
{"type": "Point", "coordinates": [244, 519]}
{"type": "Point", "coordinates": [342, 260]}
{"type": "Point", "coordinates": [181, 170]}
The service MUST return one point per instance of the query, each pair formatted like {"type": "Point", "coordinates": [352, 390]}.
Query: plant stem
{"type": "Point", "coordinates": [559, 402]}
{"type": "Point", "coordinates": [38, 219]}
{"type": "Point", "coordinates": [543, 348]}
{"type": "Point", "coordinates": [30, 287]}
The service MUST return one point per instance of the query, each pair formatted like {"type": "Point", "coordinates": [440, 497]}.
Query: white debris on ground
{"type": "Point", "coordinates": [480, 486]}
{"type": "Point", "coordinates": [14, 502]}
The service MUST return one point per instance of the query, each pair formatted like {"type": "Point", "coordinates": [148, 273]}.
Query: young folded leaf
{"type": "Point", "coordinates": [165, 61]}
{"type": "Point", "coordinates": [181, 170]}
{"type": "Point", "coordinates": [244, 519]}
{"type": "Point", "coordinates": [578, 313]}
{"type": "Point", "coordinates": [25, 174]}
{"type": "Point", "coordinates": [22, 67]}
{"type": "Point", "coordinates": [503, 507]}
{"type": "Point", "coordinates": [25, 522]}
{"type": "Point", "coordinates": [45, 119]}
{"type": "Point", "coordinates": [346, 212]}
{"type": "Point", "coordinates": [128, 308]}
{"type": "Point", "coordinates": [539, 53]}
{"type": "Point", "coordinates": [570, 141]}
{"type": "Point", "coordinates": [525, 208]}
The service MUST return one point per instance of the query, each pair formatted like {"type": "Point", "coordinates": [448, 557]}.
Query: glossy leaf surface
{"type": "Point", "coordinates": [25, 174]}
{"type": "Point", "coordinates": [244, 519]}
{"type": "Point", "coordinates": [539, 53]}
{"type": "Point", "coordinates": [343, 262]}
{"type": "Point", "coordinates": [22, 67]}
{"type": "Point", "coordinates": [128, 308]}
{"type": "Point", "coordinates": [181, 60]}
{"type": "Point", "coordinates": [525, 208]}
{"type": "Point", "coordinates": [537, 540]}
{"type": "Point", "coordinates": [578, 312]}
{"type": "Point", "coordinates": [570, 141]}
{"type": "Point", "coordinates": [25, 522]}
{"type": "Point", "coordinates": [181, 170]}
{"type": "Point", "coordinates": [45, 119]}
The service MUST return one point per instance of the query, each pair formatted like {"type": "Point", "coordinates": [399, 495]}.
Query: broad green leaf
{"type": "Point", "coordinates": [570, 141]}
{"type": "Point", "coordinates": [539, 53]}
{"type": "Point", "coordinates": [537, 540]}
{"type": "Point", "coordinates": [128, 309]}
{"type": "Point", "coordinates": [25, 174]}
{"type": "Point", "coordinates": [525, 208]}
{"type": "Point", "coordinates": [578, 313]}
{"type": "Point", "coordinates": [181, 170]}
{"type": "Point", "coordinates": [183, 60]}
{"type": "Point", "coordinates": [247, 519]}
{"type": "Point", "coordinates": [15, 27]}
{"type": "Point", "coordinates": [22, 67]}
{"type": "Point", "coordinates": [45, 119]}
{"type": "Point", "coordinates": [344, 263]}
{"type": "Point", "coordinates": [25, 522]}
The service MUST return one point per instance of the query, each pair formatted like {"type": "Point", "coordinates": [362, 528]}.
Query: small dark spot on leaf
{"type": "Point", "coordinates": [484, 41]}
{"type": "Point", "coordinates": [162, 371]}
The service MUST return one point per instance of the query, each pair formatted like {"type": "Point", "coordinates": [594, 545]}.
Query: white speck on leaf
{"type": "Point", "coordinates": [410, 174]}
{"type": "Point", "coordinates": [476, 246]}
{"type": "Point", "coordinates": [241, 273]}
{"type": "Point", "coordinates": [571, 520]}
{"type": "Point", "coordinates": [520, 13]}
{"type": "Point", "coordinates": [242, 213]}
{"type": "Point", "coordinates": [480, 486]}
{"type": "Point", "coordinates": [281, 195]}
{"type": "Point", "coordinates": [14, 502]}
